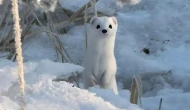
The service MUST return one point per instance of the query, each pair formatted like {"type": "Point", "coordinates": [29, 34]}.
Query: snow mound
{"type": "Point", "coordinates": [8, 74]}
{"type": "Point", "coordinates": [42, 92]}
{"type": "Point", "coordinates": [146, 25]}
{"type": "Point", "coordinates": [52, 69]}
{"type": "Point", "coordinates": [61, 95]}
{"type": "Point", "coordinates": [7, 104]}
{"type": "Point", "coordinates": [35, 71]}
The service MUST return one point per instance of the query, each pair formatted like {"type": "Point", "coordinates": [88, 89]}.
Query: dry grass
{"type": "Point", "coordinates": [71, 78]}
{"type": "Point", "coordinates": [85, 25]}
{"type": "Point", "coordinates": [160, 105]}
{"type": "Point", "coordinates": [18, 45]}
{"type": "Point", "coordinates": [93, 3]}
{"type": "Point", "coordinates": [30, 18]}
{"type": "Point", "coordinates": [74, 16]}
{"type": "Point", "coordinates": [136, 90]}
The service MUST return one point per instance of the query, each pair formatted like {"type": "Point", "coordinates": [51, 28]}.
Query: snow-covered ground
{"type": "Point", "coordinates": [44, 93]}
{"type": "Point", "coordinates": [160, 26]}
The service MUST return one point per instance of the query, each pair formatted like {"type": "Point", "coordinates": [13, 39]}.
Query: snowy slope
{"type": "Point", "coordinates": [161, 26]}
{"type": "Point", "coordinates": [7, 104]}
{"type": "Point", "coordinates": [59, 96]}
{"type": "Point", "coordinates": [42, 92]}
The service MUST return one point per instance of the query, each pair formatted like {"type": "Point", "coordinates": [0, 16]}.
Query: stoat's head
{"type": "Point", "coordinates": [104, 26]}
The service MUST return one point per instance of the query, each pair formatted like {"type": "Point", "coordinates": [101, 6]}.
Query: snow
{"type": "Point", "coordinates": [62, 95]}
{"type": "Point", "coordinates": [7, 104]}
{"type": "Point", "coordinates": [73, 5]}
{"type": "Point", "coordinates": [44, 51]}
{"type": "Point", "coordinates": [42, 92]}
{"type": "Point", "coordinates": [121, 102]}
{"type": "Point", "coordinates": [161, 26]}
{"type": "Point", "coordinates": [170, 102]}
{"type": "Point", "coordinates": [104, 6]}
{"type": "Point", "coordinates": [7, 75]}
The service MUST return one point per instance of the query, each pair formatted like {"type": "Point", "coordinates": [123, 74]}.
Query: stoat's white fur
{"type": "Point", "coordinates": [99, 62]}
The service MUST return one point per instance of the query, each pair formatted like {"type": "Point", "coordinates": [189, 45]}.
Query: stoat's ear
{"type": "Point", "coordinates": [93, 20]}
{"type": "Point", "coordinates": [114, 20]}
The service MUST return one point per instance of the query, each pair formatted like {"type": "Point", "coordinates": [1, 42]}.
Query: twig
{"type": "Point", "coordinates": [72, 18]}
{"type": "Point", "coordinates": [160, 105]}
{"type": "Point", "coordinates": [134, 93]}
{"type": "Point", "coordinates": [75, 80]}
{"type": "Point", "coordinates": [18, 45]}
{"type": "Point", "coordinates": [93, 3]}
{"type": "Point", "coordinates": [85, 22]}
{"type": "Point", "coordinates": [58, 41]}
{"type": "Point", "coordinates": [136, 90]}
{"type": "Point", "coordinates": [6, 3]}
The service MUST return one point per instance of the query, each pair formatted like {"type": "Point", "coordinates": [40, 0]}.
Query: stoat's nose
{"type": "Point", "coordinates": [104, 31]}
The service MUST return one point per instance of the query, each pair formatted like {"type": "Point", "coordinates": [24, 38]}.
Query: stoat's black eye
{"type": "Point", "coordinates": [110, 26]}
{"type": "Point", "coordinates": [98, 26]}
